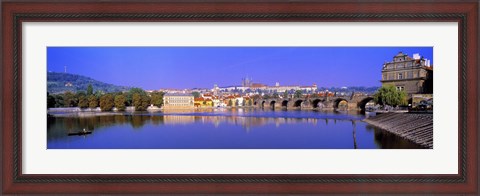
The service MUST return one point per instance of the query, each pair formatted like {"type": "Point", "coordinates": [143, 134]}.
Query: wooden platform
{"type": "Point", "coordinates": [415, 127]}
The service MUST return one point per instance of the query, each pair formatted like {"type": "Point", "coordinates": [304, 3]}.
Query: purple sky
{"type": "Point", "coordinates": [152, 68]}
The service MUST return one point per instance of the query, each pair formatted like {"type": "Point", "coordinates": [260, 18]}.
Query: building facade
{"type": "Point", "coordinates": [414, 75]}
{"type": "Point", "coordinates": [178, 101]}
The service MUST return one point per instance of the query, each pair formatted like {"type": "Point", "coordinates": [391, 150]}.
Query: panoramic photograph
{"type": "Point", "coordinates": [239, 97]}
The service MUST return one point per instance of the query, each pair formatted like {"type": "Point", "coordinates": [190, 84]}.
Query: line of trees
{"type": "Point", "coordinates": [106, 101]}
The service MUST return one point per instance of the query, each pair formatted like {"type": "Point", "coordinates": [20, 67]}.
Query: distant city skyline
{"type": "Point", "coordinates": [154, 68]}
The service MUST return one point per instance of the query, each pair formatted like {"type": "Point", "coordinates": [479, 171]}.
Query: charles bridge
{"type": "Point", "coordinates": [353, 102]}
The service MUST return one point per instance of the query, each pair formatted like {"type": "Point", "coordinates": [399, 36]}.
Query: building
{"type": "Point", "coordinates": [178, 101]}
{"type": "Point", "coordinates": [203, 102]}
{"type": "Point", "coordinates": [414, 75]}
{"type": "Point", "coordinates": [246, 82]}
{"type": "Point", "coordinates": [309, 89]}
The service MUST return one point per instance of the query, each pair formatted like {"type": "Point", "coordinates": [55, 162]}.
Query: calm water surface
{"type": "Point", "coordinates": [221, 129]}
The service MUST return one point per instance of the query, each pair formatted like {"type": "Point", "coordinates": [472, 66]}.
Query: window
{"type": "Point", "coordinates": [400, 76]}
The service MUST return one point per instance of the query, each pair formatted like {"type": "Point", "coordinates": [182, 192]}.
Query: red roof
{"type": "Point", "coordinates": [257, 85]}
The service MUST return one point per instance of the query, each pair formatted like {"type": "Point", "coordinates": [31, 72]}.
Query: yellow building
{"type": "Point", "coordinates": [203, 102]}
{"type": "Point", "coordinates": [178, 101]}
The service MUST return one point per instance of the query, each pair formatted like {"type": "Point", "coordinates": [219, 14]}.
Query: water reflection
{"type": "Point", "coordinates": [390, 141]}
{"type": "Point", "coordinates": [232, 129]}
{"type": "Point", "coordinates": [354, 125]}
{"type": "Point", "coordinates": [138, 121]}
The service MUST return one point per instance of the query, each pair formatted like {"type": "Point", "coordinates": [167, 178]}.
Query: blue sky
{"type": "Point", "coordinates": [152, 68]}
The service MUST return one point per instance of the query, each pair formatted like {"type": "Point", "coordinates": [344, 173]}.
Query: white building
{"type": "Point", "coordinates": [178, 101]}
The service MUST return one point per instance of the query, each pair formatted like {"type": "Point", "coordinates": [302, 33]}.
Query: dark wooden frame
{"type": "Point", "coordinates": [14, 13]}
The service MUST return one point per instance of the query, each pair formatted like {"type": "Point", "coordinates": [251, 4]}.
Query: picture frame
{"type": "Point", "coordinates": [15, 13]}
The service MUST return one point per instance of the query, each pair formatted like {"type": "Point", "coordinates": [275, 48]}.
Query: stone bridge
{"type": "Point", "coordinates": [356, 102]}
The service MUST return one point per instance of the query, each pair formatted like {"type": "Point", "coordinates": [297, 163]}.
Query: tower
{"type": "Point", "coordinates": [215, 89]}
{"type": "Point", "coordinates": [246, 82]}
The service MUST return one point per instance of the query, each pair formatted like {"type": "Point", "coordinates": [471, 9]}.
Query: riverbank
{"type": "Point", "coordinates": [84, 114]}
{"type": "Point", "coordinates": [414, 127]}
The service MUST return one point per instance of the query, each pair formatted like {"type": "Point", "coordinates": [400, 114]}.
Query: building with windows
{"type": "Point", "coordinates": [414, 75]}
{"type": "Point", "coordinates": [178, 101]}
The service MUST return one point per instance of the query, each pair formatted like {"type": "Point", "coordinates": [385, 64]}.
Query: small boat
{"type": "Point", "coordinates": [83, 132]}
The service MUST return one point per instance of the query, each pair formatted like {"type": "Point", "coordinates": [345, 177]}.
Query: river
{"type": "Point", "coordinates": [222, 129]}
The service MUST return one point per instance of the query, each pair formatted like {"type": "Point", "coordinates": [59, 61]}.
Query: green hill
{"type": "Point", "coordinates": [62, 82]}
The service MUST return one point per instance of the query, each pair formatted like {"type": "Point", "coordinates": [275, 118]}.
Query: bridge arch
{"type": "Point", "coordinates": [272, 104]}
{"type": "Point", "coordinates": [317, 103]}
{"type": "Point", "coordinates": [262, 104]}
{"type": "Point", "coordinates": [285, 103]}
{"type": "Point", "coordinates": [340, 104]}
{"type": "Point", "coordinates": [298, 103]}
{"type": "Point", "coordinates": [361, 104]}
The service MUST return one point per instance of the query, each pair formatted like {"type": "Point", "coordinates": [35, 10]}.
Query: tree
{"type": "Point", "coordinates": [136, 100]}
{"type": "Point", "coordinates": [196, 94]}
{"type": "Point", "coordinates": [80, 93]}
{"type": "Point", "coordinates": [98, 93]}
{"type": "Point", "coordinates": [59, 101]}
{"type": "Point", "coordinates": [389, 95]}
{"type": "Point", "coordinates": [89, 90]}
{"type": "Point", "coordinates": [140, 101]}
{"type": "Point", "coordinates": [285, 94]}
{"type": "Point", "coordinates": [120, 102]}
{"type": "Point", "coordinates": [132, 91]}
{"type": "Point", "coordinates": [236, 102]}
{"type": "Point", "coordinates": [50, 101]}
{"type": "Point", "coordinates": [230, 103]}
{"type": "Point", "coordinates": [83, 101]}
{"type": "Point", "coordinates": [145, 102]}
{"type": "Point", "coordinates": [275, 95]}
{"type": "Point", "coordinates": [298, 94]}
{"type": "Point", "coordinates": [157, 98]}
{"type": "Point", "coordinates": [69, 99]}
{"type": "Point", "coordinates": [92, 101]}
{"type": "Point", "coordinates": [266, 96]}
{"type": "Point", "coordinates": [106, 102]}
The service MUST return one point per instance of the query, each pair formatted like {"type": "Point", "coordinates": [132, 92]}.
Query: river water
{"type": "Point", "coordinates": [221, 129]}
